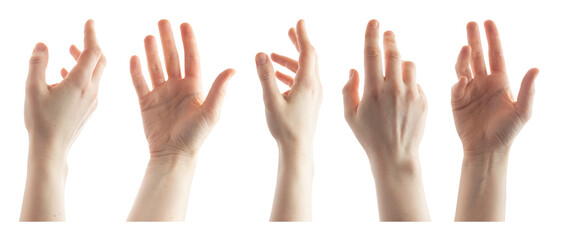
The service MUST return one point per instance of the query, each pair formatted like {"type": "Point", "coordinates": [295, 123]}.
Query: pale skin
{"type": "Point", "coordinates": [388, 121]}
{"type": "Point", "coordinates": [487, 118]}
{"type": "Point", "coordinates": [54, 115]}
{"type": "Point", "coordinates": [291, 118]}
{"type": "Point", "coordinates": [177, 119]}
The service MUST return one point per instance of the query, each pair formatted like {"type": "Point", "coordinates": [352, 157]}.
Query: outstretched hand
{"type": "Point", "coordinates": [176, 117]}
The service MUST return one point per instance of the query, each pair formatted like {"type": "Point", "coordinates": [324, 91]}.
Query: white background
{"type": "Point", "coordinates": [236, 172]}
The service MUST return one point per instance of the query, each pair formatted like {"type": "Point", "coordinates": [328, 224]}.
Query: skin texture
{"type": "Point", "coordinates": [177, 119]}
{"type": "Point", "coordinates": [54, 115]}
{"type": "Point", "coordinates": [291, 118]}
{"type": "Point", "coordinates": [487, 118]}
{"type": "Point", "coordinates": [389, 121]}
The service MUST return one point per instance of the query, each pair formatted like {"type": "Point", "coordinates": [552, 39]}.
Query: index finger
{"type": "Point", "coordinates": [90, 40]}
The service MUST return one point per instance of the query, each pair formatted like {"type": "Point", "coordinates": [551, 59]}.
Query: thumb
{"type": "Point", "coordinates": [37, 67]}
{"type": "Point", "coordinates": [351, 94]}
{"type": "Point", "coordinates": [266, 74]}
{"type": "Point", "coordinates": [214, 99]}
{"type": "Point", "coordinates": [527, 93]}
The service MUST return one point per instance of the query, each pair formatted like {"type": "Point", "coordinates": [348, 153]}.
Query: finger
{"type": "Point", "coordinates": [90, 40]}
{"type": "Point", "coordinates": [63, 72]}
{"type": "Point", "coordinates": [154, 65]}
{"type": "Point", "coordinates": [351, 95]}
{"type": "Point", "coordinates": [192, 65]}
{"type": "Point", "coordinates": [409, 74]}
{"type": "Point", "coordinates": [287, 62]}
{"type": "Point", "coordinates": [75, 52]}
{"type": "Point", "coordinates": [293, 37]}
{"type": "Point", "coordinates": [37, 67]}
{"type": "Point", "coordinates": [214, 99]}
{"type": "Point", "coordinates": [495, 52]}
{"type": "Point", "coordinates": [527, 93]}
{"type": "Point", "coordinates": [463, 63]}
{"type": "Point", "coordinates": [270, 90]}
{"type": "Point", "coordinates": [98, 71]}
{"type": "Point", "coordinates": [458, 90]}
{"type": "Point", "coordinates": [138, 79]}
{"type": "Point", "coordinates": [284, 78]}
{"type": "Point", "coordinates": [392, 59]}
{"type": "Point", "coordinates": [372, 57]}
{"type": "Point", "coordinates": [88, 59]}
{"type": "Point", "coordinates": [477, 55]}
{"type": "Point", "coordinates": [307, 58]}
{"type": "Point", "coordinates": [171, 58]}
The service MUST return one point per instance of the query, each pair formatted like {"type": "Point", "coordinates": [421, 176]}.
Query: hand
{"type": "Point", "coordinates": [291, 118]}
{"type": "Point", "coordinates": [176, 117]}
{"type": "Point", "coordinates": [486, 114]}
{"type": "Point", "coordinates": [55, 113]}
{"type": "Point", "coordinates": [389, 120]}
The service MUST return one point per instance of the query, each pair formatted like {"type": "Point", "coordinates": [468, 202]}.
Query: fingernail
{"type": "Point", "coordinates": [350, 74]}
{"type": "Point", "coordinates": [39, 47]}
{"type": "Point", "coordinates": [261, 59]}
{"type": "Point", "coordinates": [374, 24]}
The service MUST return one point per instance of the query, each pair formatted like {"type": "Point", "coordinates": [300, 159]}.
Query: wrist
{"type": "Point", "coordinates": [485, 159]}
{"type": "Point", "coordinates": [296, 156]}
{"type": "Point", "coordinates": [171, 162]}
{"type": "Point", "coordinates": [47, 155]}
{"type": "Point", "coordinates": [394, 163]}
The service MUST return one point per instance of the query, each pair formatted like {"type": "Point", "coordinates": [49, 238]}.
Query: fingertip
{"type": "Point", "coordinates": [134, 62]}
{"type": "Point", "coordinates": [149, 39]}
{"type": "Point", "coordinates": [373, 24]}
{"type": "Point", "coordinates": [389, 35]}
{"type": "Point", "coordinates": [535, 71]}
{"type": "Point", "coordinates": [408, 65]}
{"type": "Point", "coordinates": [40, 47]}
{"type": "Point", "coordinates": [89, 23]}
{"type": "Point", "coordinates": [489, 23]}
{"type": "Point", "coordinates": [230, 72]}
{"type": "Point", "coordinates": [261, 58]}
{"type": "Point", "coordinates": [163, 23]}
{"type": "Point", "coordinates": [471, 25]}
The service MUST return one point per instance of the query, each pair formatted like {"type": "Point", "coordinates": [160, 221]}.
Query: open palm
{"type": "Point", "coordinates": [487, 116]}
{"type": "Point", "coordinates": [176, 118]}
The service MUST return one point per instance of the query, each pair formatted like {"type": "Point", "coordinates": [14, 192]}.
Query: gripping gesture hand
{"type": "Point", "coordinates": [176, 117]}
{"type": "Point", "coordinates": [56, 113]}
{"type": "Point", "coordinates": [292, 116]}
{"type": "Point", "coordinates": [487, 116]}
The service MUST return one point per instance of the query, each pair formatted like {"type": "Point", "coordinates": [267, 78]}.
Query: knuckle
{"type": "Point", "coordinates": [95, 51]}
{"type": "Point", "coordinates": [392, 55]}
{"type": "Point", "coordinates": [34, 60]}
{"type": "Point", "coordinates": [373, 52]}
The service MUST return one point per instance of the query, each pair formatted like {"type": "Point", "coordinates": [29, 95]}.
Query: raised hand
{"type": "Point", "coordinates": [487, 118]}
{"type": "Point", "coordinates": [389, 121]}
{"type": "Point", "coordinates": [177, 119]}
{"type": "Point", "coordinates": [176, 116]}
{"type": "Point", "coordinates": [54, 115]}
{"type": "Point", "coordinates": [291, 118]}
